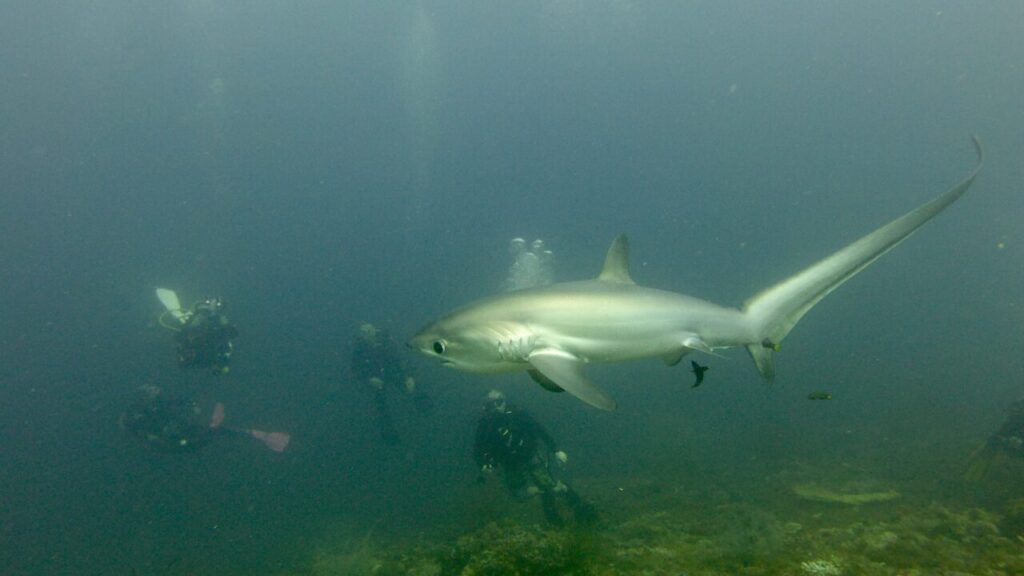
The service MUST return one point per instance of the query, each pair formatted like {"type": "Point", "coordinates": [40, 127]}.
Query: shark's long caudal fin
{"type": "Point", "coordinates": [775, 311]}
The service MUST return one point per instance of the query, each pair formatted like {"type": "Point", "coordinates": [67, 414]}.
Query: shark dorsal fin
{"type": "Point", "coordinates": [616, 263]}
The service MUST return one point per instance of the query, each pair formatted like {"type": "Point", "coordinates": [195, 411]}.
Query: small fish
{"type": "Point", "coordinates": [698, 371]}
{"type": "Point", "coordinates": [819, 396]}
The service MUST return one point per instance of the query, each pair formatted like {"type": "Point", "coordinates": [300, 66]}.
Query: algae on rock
{"type": "Point", "coordinates": [501, 549]}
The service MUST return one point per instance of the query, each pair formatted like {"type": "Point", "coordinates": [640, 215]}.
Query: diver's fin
{"type": "Point", "coordinates": [774, 312]}
{"type": "Point", "coordinates": [566, 371]}
{"type": "Point", "coordinates": [544, 381]}
{"type": "Point", "coordinates": [170, 301]}
{"type": "Point", "coordinates": [616, 262]}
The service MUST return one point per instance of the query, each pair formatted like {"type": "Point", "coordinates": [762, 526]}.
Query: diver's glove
{"type": "Point", "coordinates": [487, 468]}
{"type": "Point", "coordinates": [562, 457]}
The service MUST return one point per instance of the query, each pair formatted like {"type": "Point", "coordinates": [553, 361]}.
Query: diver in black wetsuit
{"type": "Point", "coordinates": [509, 437]}
{"type": "Point", "coordinates": [203, 334]}
{"type": "Point", "coordinates": [167, 424]}
{"type": "Point", "coordinates": [1008, 440]}
{"type": "Point", "coordinates": [204, 340]}
{"type": "Point", "coordinates": [376, 363]}
{"type": "Point", "coordinates": [175, 424]}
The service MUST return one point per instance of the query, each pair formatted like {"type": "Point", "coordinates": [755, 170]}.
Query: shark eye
{"type": "Point", "coordinates": [439, 346]}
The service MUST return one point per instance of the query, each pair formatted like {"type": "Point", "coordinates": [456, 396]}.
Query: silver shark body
{"type": "Point", "coordinates": [552, 332]}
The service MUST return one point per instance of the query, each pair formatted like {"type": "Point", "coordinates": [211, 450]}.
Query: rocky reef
{"type": "Point", "coordinates": [499, 549]}
{"type": "Point", "coordinates": [660, 529]}
{"type": "Point", "coordinates": [1012, 522]}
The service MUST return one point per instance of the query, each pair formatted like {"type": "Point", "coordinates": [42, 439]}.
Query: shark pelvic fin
{"type": "Point", "coordinates": [616, 263]}
{"type": "Point", "coordinates": [690, 343]}
{"type": "Point", "coordinates": [566, 371]}
{"type": "Point", "coordinates": [694, 342]}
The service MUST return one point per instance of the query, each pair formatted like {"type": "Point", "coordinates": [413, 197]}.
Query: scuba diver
{"type": "Point", "coordinates": [531, 266]}
{"type": "Point", "coordinates": [376, 363]}
{"type": "Point", "coordinates": [203, 334]}
{"type": "Point", "coordinates": [167, 424]}
{"type": "Point", "coordinates": [1008, 440]}
{"type": "Point", "coordinates": [509, 437]}
{"type": "Point", "coordinates": [178, 424]}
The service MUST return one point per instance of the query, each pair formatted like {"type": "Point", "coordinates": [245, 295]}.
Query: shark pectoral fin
{"type": "Point", "coordinates": [566, 371]}
{"type": "Point", "coordinates": [544, 381]}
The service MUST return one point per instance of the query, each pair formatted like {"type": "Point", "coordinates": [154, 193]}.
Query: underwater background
{"type": "Point", "coordinates": [319, 164]}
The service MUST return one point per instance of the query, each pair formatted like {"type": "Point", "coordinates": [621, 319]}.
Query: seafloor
{"type": "Point", "coordinates": [800, 521]}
